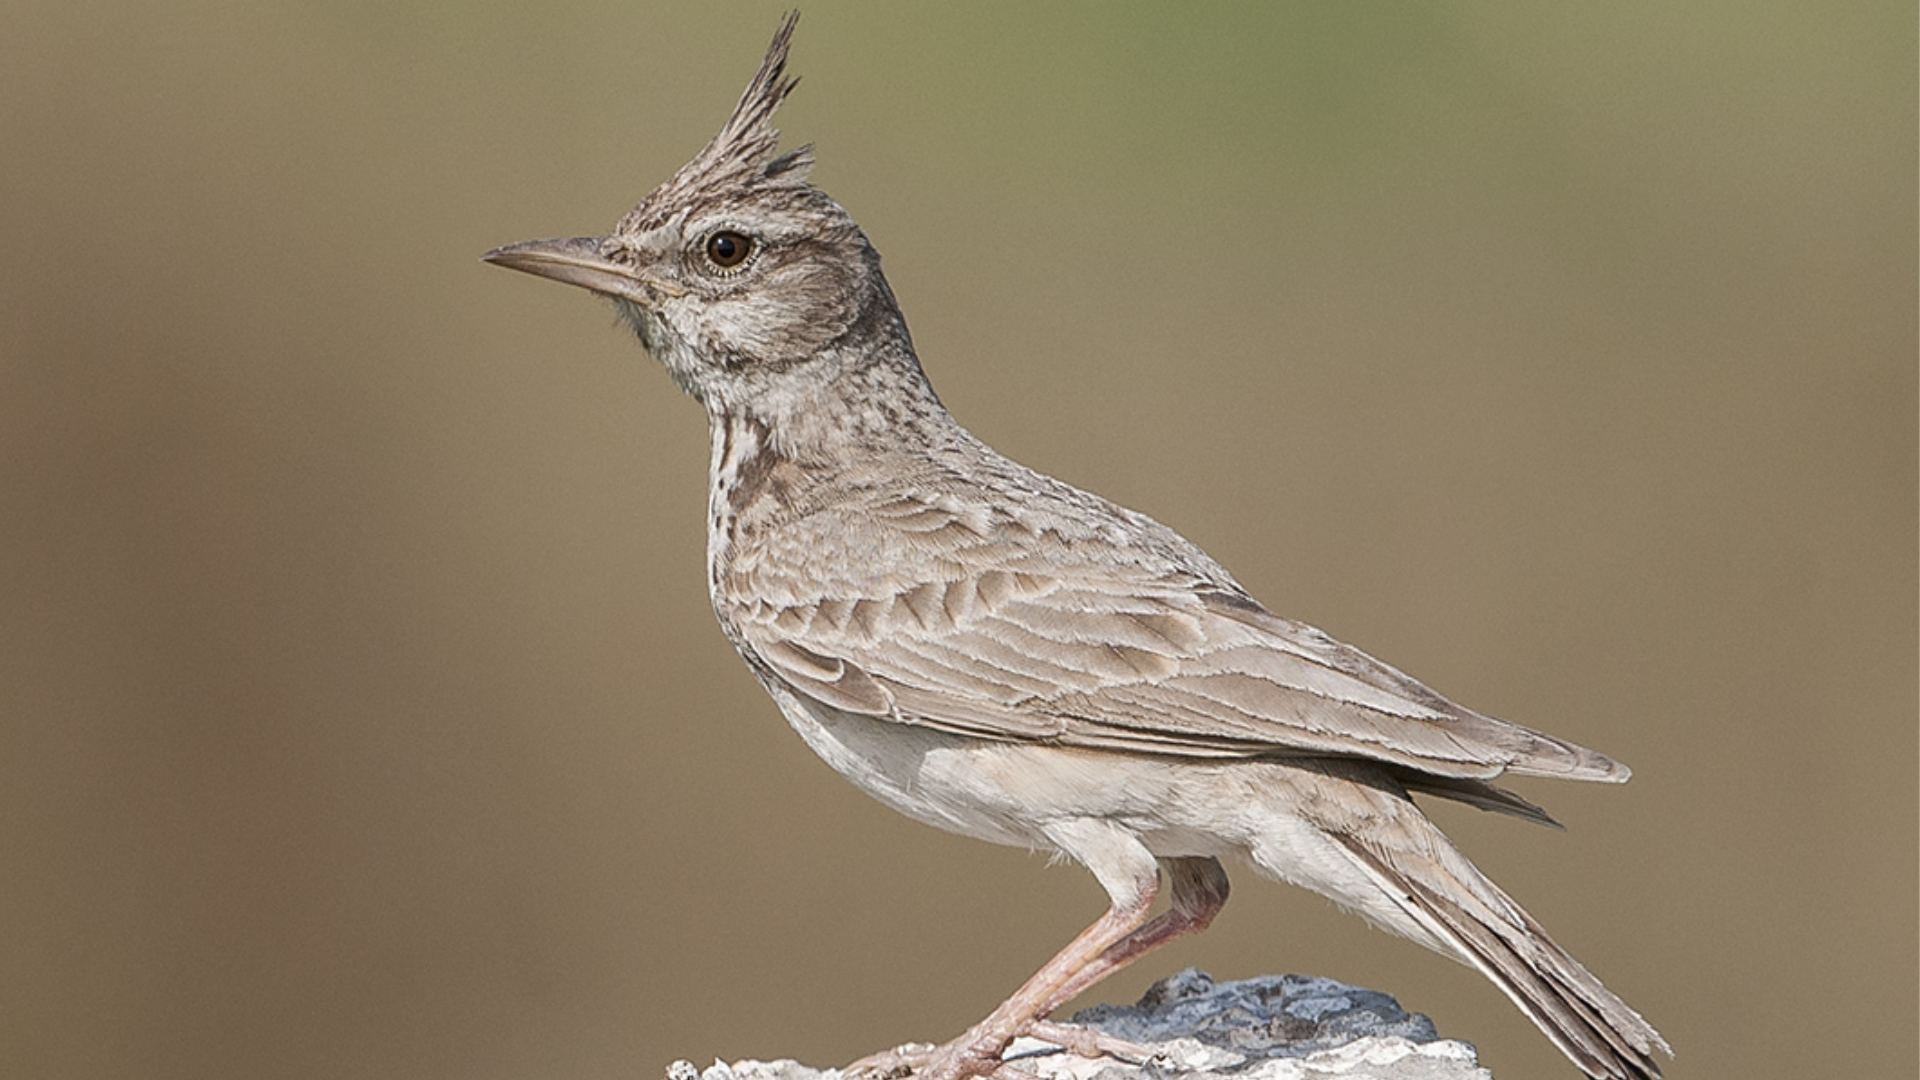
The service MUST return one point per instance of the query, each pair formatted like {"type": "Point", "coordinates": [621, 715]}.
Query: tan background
{"type": "Point", "coordinates": [361, 714]}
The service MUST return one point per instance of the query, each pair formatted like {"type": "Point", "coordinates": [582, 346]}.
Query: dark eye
{"type": "Point", "coordinates": [727, 249]}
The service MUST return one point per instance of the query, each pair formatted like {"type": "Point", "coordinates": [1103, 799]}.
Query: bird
{"type": "Point", "coordinates": [996, 653]}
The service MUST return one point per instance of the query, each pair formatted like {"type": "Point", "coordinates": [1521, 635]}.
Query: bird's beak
{"type": "Point", "coordinates": [576, 261]}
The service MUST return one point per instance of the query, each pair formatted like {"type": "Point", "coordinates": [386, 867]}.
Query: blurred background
{"type": "Point", "coordinates": [361, 712]}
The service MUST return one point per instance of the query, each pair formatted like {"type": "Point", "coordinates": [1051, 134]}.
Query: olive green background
{"type": "Point", "coordinates": [361, 714]}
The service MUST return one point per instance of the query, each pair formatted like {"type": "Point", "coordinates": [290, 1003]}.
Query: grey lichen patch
{"type": "Point", "coordinates": [1271, 1016]}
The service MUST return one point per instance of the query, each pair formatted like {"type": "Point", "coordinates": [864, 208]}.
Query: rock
{"type": "Point", "coordinates": [1271, 1016]}
{"type": "Point", "coordinates": [1277, 1027]}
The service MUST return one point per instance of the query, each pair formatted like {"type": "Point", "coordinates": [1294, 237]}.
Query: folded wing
{"type": "Point", "coordinates": [1110, 648]}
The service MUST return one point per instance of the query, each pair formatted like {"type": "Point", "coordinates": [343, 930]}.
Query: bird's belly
{"type": "Point", "coordinates": [908, 768]}
{"type": "Point", "coordinates": [1007, 792]}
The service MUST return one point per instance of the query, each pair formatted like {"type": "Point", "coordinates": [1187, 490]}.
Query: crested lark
{"type": "Point", "coordinates": [991, 651]}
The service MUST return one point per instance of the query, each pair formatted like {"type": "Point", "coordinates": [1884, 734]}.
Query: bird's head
{"type": "Point", "coordinates": [749, 285]}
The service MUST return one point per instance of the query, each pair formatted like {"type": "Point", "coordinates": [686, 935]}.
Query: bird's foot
{"type": "Point", "coordinates": [1089, 1043]}
{"type": "Point", "coordinates": [963, 1057]}
{"type": "Point", "coordinates": [892, 1064]}
{"type": "Point", "coordinates": [982, 1054]}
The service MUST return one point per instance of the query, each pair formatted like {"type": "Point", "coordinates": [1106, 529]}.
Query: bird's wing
{"type": "Point", "coordinates": [1104, 644]}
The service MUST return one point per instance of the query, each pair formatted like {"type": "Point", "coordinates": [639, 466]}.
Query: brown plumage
{"type": "Point", "coordinates": [992, 651]}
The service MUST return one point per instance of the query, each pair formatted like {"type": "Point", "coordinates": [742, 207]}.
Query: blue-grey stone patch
{"type": "Point", "coordinates": [1268, 1017]}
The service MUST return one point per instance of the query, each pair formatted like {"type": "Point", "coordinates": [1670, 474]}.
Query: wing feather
{"type": "Point", "coordinates": [1103, 644]}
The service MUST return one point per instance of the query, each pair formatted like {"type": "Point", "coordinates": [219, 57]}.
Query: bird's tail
{"type": "Point", "coordinates": [1449, 902]}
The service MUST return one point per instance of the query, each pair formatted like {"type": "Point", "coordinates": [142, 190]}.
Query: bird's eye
{"type": "Point", "coordinates": [728, 249]}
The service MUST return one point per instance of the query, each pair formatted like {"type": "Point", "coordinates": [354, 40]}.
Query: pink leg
{"type": "Point", "coordinates": [1199, 892]}
{"type": "Point", "coordinates": [1132, 879]}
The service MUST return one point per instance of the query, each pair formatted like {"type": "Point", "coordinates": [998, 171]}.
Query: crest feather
{"type": "Point", "coordinates": [742, 153]}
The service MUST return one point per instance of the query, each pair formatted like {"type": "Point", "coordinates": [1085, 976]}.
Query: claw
{"type": "Point", "coordinates": [1089, 1043]}
{"type": "Point", "coordinates": [894, 1064]}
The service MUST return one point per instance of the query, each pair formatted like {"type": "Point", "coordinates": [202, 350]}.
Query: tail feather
{"type": "Point", "coordinates": [1589, 1023]}
{"type": "Point", "coordinates": [1480, 794]}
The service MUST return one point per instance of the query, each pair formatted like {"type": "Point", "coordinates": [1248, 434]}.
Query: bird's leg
{"type": "Point", "coordinates": [1199, 892]}
{"type": "Point", "coordinates": [1132, 879]}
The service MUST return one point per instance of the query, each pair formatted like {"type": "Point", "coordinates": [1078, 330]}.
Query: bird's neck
{"type": "Point", "coordinates": [741, 463]}
{"type": "Point", "coordinates": [784, 454]}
